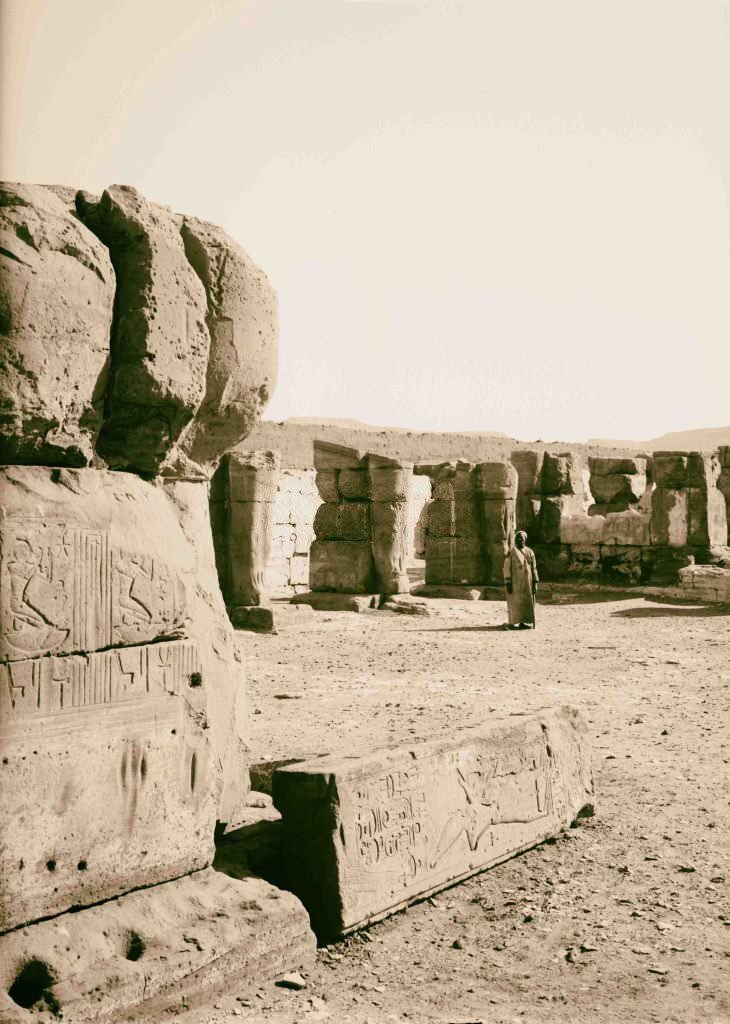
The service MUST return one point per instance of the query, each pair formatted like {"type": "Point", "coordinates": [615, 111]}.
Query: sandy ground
{"type": "Point", "coordinates": [625, 918]}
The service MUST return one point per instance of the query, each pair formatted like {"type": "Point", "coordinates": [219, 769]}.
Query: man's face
{"type": "Point", "coordinates": [520, 541]}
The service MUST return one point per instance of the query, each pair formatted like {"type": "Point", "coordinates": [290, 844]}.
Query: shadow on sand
{"type": "Point", "coordinates": [669, 611]}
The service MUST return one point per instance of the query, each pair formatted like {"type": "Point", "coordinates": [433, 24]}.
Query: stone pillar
{"type": "Point", "coordinates": [496, 483]}
{"type": "Point", "coordinates": [243, 493]}
{"type": "Point", "coordinates": [361, 530]}
{"type": "Point", "coordinates": [390, 490]}
{"type": "Point", "coordinates": [688, 509]}
{"type": "Point", "coordinates": [454, 552]}
{"type": "Point", "coordinates": [341, 556]}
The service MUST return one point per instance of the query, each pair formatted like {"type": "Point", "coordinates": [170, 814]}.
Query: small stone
{"type": "Point", "coordinates": [642, 951]}
{"type": "Point", "coordinates": [657, 969]}
{"type": "Point", "coordinates": [457, 944]}
{"type": "Point", "coordinates": [292, 980]}
{"type": "Point", "coordinates": [685, 869]}
{"type": "Point", "coordinates": [588, 948]}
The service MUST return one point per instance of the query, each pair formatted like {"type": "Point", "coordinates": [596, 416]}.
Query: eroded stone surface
{"type": "Point", "coordinates": [242, 322]}
{"type": "Point", "coordinates": [56, 294]}
{"type": "Point", "coordinates": [365, 836]}
{"type": "Point", "coordinates": [155, 951]}
{"type": "Point", "coordinates": [121, 699]}
{"type": "Point", "coordinates": [160, 341]}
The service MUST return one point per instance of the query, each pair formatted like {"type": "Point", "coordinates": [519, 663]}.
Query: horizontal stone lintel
{"type": "Point", "coordinates": [366, 836]}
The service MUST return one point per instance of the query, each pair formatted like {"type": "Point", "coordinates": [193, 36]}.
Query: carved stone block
{"type": "Point", "coordinates": [90, 812]}
{"type": "Point", "coordinates": [366, 836]}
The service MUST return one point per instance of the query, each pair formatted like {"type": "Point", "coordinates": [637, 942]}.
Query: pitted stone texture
{"type": "Point", "coordinates": [160, 342]}
{"type": "Point", "coordinates": [56, 297]}
{"type": "Point", "coordinates": [151, 952]}
{"type": "Point", "coordinates": [366, 836]}
{"type": "Point", "coordinates": [706, 583]}
{"type": "Point", "coordinates": [122, 710]}
{"type": "Point", "coordinates": [243, 325]}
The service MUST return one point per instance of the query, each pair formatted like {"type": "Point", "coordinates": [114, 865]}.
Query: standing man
{"type": "Point", "coordinates": [520, 581]}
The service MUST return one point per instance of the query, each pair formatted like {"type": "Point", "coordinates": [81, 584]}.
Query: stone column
{"type": "Point", "coordinates": [527, 504]}
{"type": "Point", "coordinates": [496, 483]}
{"type": "Point", "coordinates": [390, 489]}
{"type": "Point", "coordinates": [454, 552]}
{"type": "Point", "coordinates": [723, 482]}
{"type": "Point", "coordinates": [341, 556]}
{"type": "Point", "coordinates": [243, 491]}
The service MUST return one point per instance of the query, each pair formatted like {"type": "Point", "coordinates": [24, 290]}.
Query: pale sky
{"type": "Point", "coordinates": [478, 215]}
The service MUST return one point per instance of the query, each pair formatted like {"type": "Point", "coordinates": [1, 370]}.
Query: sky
{"type": "Point", "coordinates": [477, 214]}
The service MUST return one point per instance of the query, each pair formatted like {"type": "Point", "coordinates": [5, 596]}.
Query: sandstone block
{"type": "Point", "coordinates": [627, 528]}
{"type": "Point", "coordinates": [458, 518]}
{"type": "Point", "coordinates": [354, 484]}
{"type": "Point", "coordinates": [553, 561]}
{"type": "Point", "coordinates": [455, 560]}
{"type": "Point", "coordinates": [366, 836]}
{"type": "Point", "coordinates": [625, 489]}
{"type": "Point", "coordinates": [160, 340]}
{"type": "Point", "coordinates": [84, 589]}
{"type": "Point", "coordinates": [342, 565]}
{"type": "Point", "coordinates": [669, 469]}
{"type": "Point", "coordinates": [669, 516]}
{"type": "Point", "coordinates": [582, 529]}
{"type": "Point", "coordinates": [347, 521]}
{"type": "Point", "coordinates": [561, 474]}
{"type": "Point", "coordinates": [453, 480]}
{"type": "Point", "coordinates": [706, 517]}
{"type": "Point", "coordinates": [242, 323]}
{"type": "Point", "coordinates": [496, 480]}
{"type": "Point", "coordinates": [552, 512]}
{"type": "Point", "coordinates": [335, 456]}
{"type": "Point", "coordinates": [529, 469]}
{"type": "Point", "coordinates": [623, 564]}
{"type": "Point", "coordinates": [163, 949]}
{"type": "Point", "coordinates": [56, 295]}
{"type": "Point", "coordinates": [326, 480]}
{"type": "Point", "coordinates": [390, 479]}
{"type": "Point", "coordinates": [585, 561]}
{"type": "Point", "coordinates": [251, 475]}
{"type": "Point", "coordinates": [706, 583]}
{"type": "Point", "coordinates": [600, 466]}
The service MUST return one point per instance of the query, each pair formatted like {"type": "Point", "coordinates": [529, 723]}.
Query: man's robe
{"type": "Point", "coordinates": [520, 569]}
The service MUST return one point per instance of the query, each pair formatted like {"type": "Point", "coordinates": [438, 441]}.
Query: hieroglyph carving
{"type": "Point", "coordinates": [49, 686]}
{"type": "Point", "coordinates": [65, 588]}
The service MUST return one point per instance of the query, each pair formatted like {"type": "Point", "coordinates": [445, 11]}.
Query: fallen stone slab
{"type": "Point", "coordinates": [407, 605]}
{"type": "Point", "coordinates": [366, 836]}
{"type": "Point", "coordinates": [705, 583]}
{"type": "Point", "coordinates": [154, 951]}
{"type": "Point", "coordinates": [322, 601]}
{"type": "Point", "coordinates": [451, 592]}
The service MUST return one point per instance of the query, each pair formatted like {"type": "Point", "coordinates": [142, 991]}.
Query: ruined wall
{"type": "Point", "coordinates": [132, 339]}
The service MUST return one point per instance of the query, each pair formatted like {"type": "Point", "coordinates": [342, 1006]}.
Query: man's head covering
{"type": "Point", "coordinates": [521, 533]}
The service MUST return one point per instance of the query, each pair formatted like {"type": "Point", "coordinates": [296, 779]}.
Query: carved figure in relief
{"type": "Point", "coordinates": [38, 602]}
{"type": "Point", "coordinates": [489, 786]}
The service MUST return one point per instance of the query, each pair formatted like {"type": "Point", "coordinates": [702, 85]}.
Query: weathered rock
{"type": "Point", "coordinates": [628, 528]}
{"type": "Point", "coordinates": [552, 512]}
{"type": "Point", "coordinates": [160, 342]}
{"type": "Point", "coordinates": [456, 518]}
{"type": "Point", "coordinates": [173, 946]}
{"type": "Point", "coordinates": [242, 323]}
{"type": "Point", "coordinates": [389, 543]}
{"type": "Point", "coordinates": [448, 592]}
{"type": "Point", "coordinates": [618, 488]}
{"type": "Point", "coordinates": [122, 715]}
{"type": "Point", "coordinates": [366, 836]}
{"type": "Point", "coordinates": [56, 295]}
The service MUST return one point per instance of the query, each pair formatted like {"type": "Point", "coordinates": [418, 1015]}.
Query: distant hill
{"type": "Point", "coordinates": [332, 421]}
{"type": "Point", "coordinates": [704, 439]}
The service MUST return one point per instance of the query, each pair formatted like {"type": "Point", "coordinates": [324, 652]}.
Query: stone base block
{"type": "Point", "coordinates": [269, 618]}
{"type": "Point", "coordinates": [322, 601]}
{"type": "Point", "coordinates": [174, 945]}
{"type": "Point", "coordinates": [706, 583]}
{"type": "Point", "coordinates": [365, 836]}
